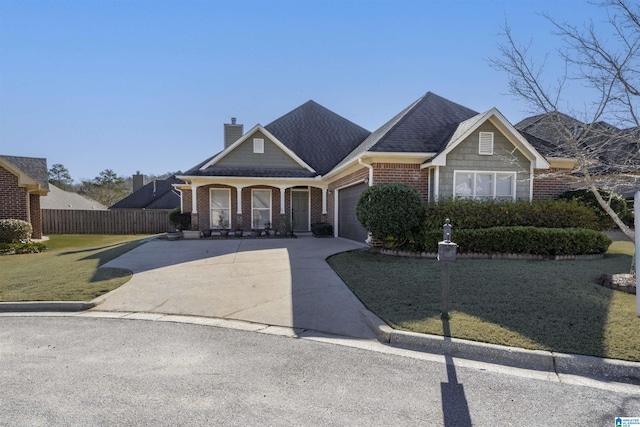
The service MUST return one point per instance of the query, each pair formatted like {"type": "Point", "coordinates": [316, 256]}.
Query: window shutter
{"type": "Point", "coordinates": [486, 143]}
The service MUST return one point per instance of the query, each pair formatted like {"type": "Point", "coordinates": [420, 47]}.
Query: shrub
{"type": "Point", "coordinates": [616, 201]}
{"type": "Point", "coordinates": [14, 231]}
{"type": "Point", "coordinates": [524, 240]}
{"type": "Point", "coordinates": [392, 213]}
{"type": "Point", "coordinates": [22, 248]}
{"type": "Point", "coordinates": [473, 214]}
{"type": "Point", "coordinates": [180, 220]}
{"type": "Point", "coordinates": [322, 229]}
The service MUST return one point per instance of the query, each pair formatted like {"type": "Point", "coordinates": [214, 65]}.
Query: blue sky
{"type": "Point", "coordinates": [147, 85]}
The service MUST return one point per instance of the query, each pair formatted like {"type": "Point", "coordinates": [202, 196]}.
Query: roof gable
{"type": "Point", "coordinates": [257, 131]}
{"type": "Point", "coordinates": [317, 135]}
{"type": "Point", "coordinates": [467, 127]}
{"type": "Point", "coordinates": [32, 172]}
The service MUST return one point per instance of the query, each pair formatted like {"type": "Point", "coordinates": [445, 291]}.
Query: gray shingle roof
{"type": "Point", "coordinates": [60, 199]}
{"type": "Point", "coordinates": [251, 172]}
{"type": "Point", "coordinates": [158, 194]}
{"type": "Point", "coordinates": [35, 167]}
{"type": "Point", "coordinates": [317, 135]}
{"type": "Point", "coordinates": [614, 149]}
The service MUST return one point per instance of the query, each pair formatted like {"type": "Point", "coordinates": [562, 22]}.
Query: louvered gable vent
{"type": "Point", "coordinates": [486, 143]}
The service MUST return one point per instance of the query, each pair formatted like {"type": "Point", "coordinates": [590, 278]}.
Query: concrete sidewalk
{"type": "Point", "coordinates": [280, 282]}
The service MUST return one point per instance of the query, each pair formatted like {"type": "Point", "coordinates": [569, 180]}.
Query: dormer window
{"type": "Point", "coordinates": [258, 145]}
{"type": "Point", "coordinates": [486, 144]}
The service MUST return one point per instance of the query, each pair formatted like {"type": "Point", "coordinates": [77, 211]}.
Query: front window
{"type": "Point", "coordinates": [220, 207]}
{"type": "Point", "coordinates": [260, 208]}
{"type": "Point", "coordinates": [484, 185]}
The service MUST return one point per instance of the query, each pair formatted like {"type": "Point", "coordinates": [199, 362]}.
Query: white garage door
{"type": "Point", "coordinates": [348, 225]}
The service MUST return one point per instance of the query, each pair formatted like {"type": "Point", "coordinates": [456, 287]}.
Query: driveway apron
{"type": "Point", "coordinates": [281, 282]}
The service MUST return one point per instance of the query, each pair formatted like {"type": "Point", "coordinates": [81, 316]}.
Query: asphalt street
{"type": "Point", "coordinates": [91, 371]}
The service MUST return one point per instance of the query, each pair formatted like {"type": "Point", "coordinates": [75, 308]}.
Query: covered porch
{"type": "Point", "coordinates": [235, 203]}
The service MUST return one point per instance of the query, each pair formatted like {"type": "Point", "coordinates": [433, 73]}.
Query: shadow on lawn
{"type": "Point", "coordinates": [555, 304]}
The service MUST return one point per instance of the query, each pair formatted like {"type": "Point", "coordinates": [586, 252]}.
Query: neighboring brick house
{"type": "Point", "coordinates": [311, 165]}
{"type": "Point", "coordinates": [23, 180]}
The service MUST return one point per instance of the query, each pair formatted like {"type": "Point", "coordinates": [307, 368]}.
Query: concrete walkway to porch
{"type": "Point", "coordinates": [280, 282]}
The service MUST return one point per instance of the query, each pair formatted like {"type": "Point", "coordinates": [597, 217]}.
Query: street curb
{"type": "Point", "coordinates": [559, 363]}
{"type": "Point", "coordinates": [45, 306]}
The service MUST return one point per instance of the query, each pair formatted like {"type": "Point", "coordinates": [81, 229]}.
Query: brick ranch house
{"type": "Point", "coordinates": [311, 165]}
{"type": "Point", "coordinates": [23, 180]}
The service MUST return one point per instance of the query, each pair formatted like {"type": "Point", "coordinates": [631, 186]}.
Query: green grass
{"type": "Point", "coordinates": [68, 270]}
{"type": "Point", "coordinates": [542, 305]}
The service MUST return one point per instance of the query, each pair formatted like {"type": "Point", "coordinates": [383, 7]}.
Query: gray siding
{"type": "Point", "coordinates": [273, 156]}
{"type": "Point", "coordinates": [504, 159]}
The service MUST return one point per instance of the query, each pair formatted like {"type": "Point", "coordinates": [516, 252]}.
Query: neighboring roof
{"type": "Point", "coordinates": [617, 150]}
{"type": "Point", "coordinates": [317, 135]}
{"type": "Point", "coordinates": [158, 194]}
{"type": "Point", "coordinates": [34, 167]}
{"type": "Point", "coordinates": [60, 199]}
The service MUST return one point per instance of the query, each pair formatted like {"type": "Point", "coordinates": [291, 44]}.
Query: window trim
{"type": "Point", "coordinates": [494, 183]}
{"type": "Point", "coordinates": [215, 224]}
{"type": "Point", "coordinates": [253, 208]}
{"type": "Point", "coordinates": [485, 146]}
{"type": "Point", "coordinates": [258, 145]}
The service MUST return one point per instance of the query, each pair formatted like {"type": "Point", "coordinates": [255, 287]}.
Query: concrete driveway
{"type": "Point", "coordinates": [280, 282]}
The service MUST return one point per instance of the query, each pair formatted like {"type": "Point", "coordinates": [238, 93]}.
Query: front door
{"type": "Point", "coordinates": [300, 210]}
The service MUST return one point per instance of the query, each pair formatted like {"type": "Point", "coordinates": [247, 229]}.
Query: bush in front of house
{"type": "Point", "coordinates": [524, 240]}
{"type": "Point", "coordinates": [474, 214]}
{"type": "Point", "coordinates": [392, 213]}
{"type": "Point", "coordinates": [615, 200]}
{"type": "Point", "coordinates": [180, 220]}
{"type": "Point", "coordinates": [14, 231]}
{"type": "Point", "coordinates": [22, 248]}
{"type": "Point", "coordinates": [322, 229]}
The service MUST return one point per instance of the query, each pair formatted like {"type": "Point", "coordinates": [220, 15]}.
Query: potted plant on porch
{"type": "Point", "coordinates": [223, 223]}
{"type": "Point", "coordinates": [271, 232]}
{"type": "Point", "coordinates": [181, 221]}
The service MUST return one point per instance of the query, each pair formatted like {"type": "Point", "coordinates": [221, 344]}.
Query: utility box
{"type": "Point", "coordinates": [447, 251]}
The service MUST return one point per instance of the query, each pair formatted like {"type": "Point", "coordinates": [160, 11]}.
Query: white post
{"type": "Point", "coordinates": [636, 208]}
{"type": "Point", "coordinates": [194, 202]}
{"type": "Point", "coordinates": [282, 190]}
{"type": "Point", "coordinates": [239, 198]}
{"type": "Point", "coordinates": [324, 201]}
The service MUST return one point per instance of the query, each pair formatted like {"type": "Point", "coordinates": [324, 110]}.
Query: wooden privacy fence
{"type": "Point", "coordinates": [64, 221]}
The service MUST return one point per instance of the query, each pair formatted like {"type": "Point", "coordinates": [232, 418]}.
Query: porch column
{"type": "Point", "coordinates": [239, 198]}
{"type": "Point", "coordinates": [282, 189]}
{"type": "Point", "coordinates": [324, 201]}
{"type": "Point", "coordinates": [194, 202]}
{"type": "Point", "coordinates": [436, 183]}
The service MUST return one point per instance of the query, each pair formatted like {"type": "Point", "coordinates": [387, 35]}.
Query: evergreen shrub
{"type": "Point", "coordinates": [14, 231]}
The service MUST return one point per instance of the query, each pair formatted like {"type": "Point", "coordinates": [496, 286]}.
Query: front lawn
{"type": "Point", "coordinates": [542, 305]}
{"type": "Point", "coordinates": [68, 270]}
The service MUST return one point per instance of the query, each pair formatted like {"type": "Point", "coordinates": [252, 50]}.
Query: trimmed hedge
{"type": "Point", "coordinates": [180, 220]}
{"type": "Point", "coordinates": [322, 229]}
{"type": "Point", "coordinates": [616, 201]}
{"type": "Point", "coordinates": [14, 231]}
{"type": "Point", "coordinates": [22, 248]}
{"type": "Point", "coordinates": [524, 240]}
{"type": "Point", "coordinates": [473, 214]}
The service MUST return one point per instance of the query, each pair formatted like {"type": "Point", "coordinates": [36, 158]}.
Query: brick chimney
{"type": "Point", "coordinates": [232, 132]}
{"type": "Point", "coordinates": [138, 181]}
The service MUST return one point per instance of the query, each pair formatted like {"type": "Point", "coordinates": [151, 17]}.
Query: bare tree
{"type": "Point", "coordinates": [608, 66]}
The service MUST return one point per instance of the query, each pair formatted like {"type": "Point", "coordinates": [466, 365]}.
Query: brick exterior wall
{"type": "Point", "coordinates": [14, 198]}
{"type": "Point", "coordinates": [316, 206]}
{"type": "Point", "coordinates": [411, 174]}
{"type": "Point", "coordinates": [36, 216]}
{"type": "Point", "coordinates": [549, 184]}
